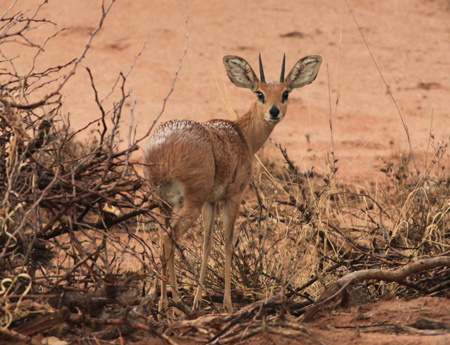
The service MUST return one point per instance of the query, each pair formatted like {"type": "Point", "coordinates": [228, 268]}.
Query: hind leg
{"type": "Point", "coordinates": [186, 218]}
{"type": "Point", "coordinates": [166, 214]}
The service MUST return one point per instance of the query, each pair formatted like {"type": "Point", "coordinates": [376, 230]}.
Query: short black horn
{"type": "Point", "coordinates": [282, 68]}
{"type": "Point", "coordinates": [261, 70]}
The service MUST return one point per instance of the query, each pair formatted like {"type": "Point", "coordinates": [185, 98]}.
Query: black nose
{"type": "Point", "coordinates": [274, 111]}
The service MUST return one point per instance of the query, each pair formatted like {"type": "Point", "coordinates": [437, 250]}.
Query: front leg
{"type": "Point", "coordinates": [208, 225]}
{"type": "Point", "coordinates": [230, 212]}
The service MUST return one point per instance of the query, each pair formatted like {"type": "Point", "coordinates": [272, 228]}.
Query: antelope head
{"type": "Point", "coordinates": [272, 96]}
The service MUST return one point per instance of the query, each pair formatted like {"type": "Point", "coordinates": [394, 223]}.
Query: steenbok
{"type": "Point", "coordinates": [194, 165]}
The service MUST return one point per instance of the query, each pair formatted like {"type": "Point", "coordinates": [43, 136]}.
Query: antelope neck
{"type": "Point", "coordinates": [254, 128]}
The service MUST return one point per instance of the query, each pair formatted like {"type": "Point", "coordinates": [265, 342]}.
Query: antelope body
{"type": "Point", "coordinates": [194, 165]}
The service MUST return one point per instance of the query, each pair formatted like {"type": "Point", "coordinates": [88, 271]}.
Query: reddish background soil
{"type": "Point", "coordinates": [409, 39]}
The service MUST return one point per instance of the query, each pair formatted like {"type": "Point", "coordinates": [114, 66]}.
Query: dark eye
{"type": "Point", "coordinates": [285, 96]}
{"type": "Point", "coordinates": [260, 96]}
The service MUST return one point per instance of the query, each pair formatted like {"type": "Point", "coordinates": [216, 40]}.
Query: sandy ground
{"type": "Point", "coordinates": [408, 39]}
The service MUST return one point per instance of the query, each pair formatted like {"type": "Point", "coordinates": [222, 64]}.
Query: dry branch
{"type": "Point", "coordinates": [399, 275]}
{"type": "Point", "coordinates": [4, 332]}
{"type": "Point", "coordinates": [52, 186]}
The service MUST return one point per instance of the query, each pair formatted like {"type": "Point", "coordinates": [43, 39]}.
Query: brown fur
{"type": "Point", "coordinates": [195, 165]}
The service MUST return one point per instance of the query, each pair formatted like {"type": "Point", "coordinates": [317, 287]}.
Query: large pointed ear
{"type": "Point", "coordinates": [240, 72]}
{"type": "Point", "coordinates": [304, 72]}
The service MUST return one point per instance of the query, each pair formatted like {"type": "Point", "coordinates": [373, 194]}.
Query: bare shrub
{"type": "Point", "coordinates": [59, 196]}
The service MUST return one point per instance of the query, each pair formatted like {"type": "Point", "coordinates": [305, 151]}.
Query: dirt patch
{"type": "Point", "coordinates": [423, 320]}
{"type": "Point", "coordinates": [407, 39]}
{"type": "Point", "coordinates": [387, 322]}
